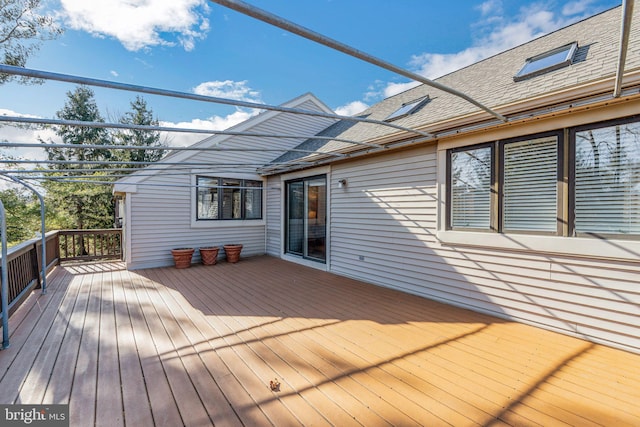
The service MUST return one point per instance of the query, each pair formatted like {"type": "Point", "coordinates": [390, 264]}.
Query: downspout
{"type": "Point", "coordinates": [5, 281]}
{"type": "Point", "coordinates": [627, 14]}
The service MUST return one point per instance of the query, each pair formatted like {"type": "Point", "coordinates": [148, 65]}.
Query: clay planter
{"type": "Point", "coordinates": [232, 252]}
{"type": "Point", "coordinates": [209, 255]}
{"type": "Point", "coordinates": [182, 257]}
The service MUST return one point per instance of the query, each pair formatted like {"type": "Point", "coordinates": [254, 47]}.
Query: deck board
{"type": "Point", "coordinates": [199, 346]}
{"type": "Point", "coordinates": [83, 391]}
{"type": "Point", "coordinates": [136, 407]}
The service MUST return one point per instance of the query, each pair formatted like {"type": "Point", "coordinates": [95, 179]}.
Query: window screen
{"type": "Point", "coordinates": [207, 198]}
{"type": "Point", "coordinates": [471, 180]}
{"type": "Point", "coordinates": [253, 200]}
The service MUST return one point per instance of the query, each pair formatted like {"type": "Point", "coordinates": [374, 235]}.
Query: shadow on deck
{"type": "Point", "coordinates": [201, 346]}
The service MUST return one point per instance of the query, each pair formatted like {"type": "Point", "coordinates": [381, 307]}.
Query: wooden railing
{"type": "Point", "coordinates": [24, 268]}
{"type": "Point", "coordinates": [90, 245]}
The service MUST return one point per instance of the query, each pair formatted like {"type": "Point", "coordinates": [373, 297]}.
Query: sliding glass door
{"type": "Point", "coordinates": [306, 217]}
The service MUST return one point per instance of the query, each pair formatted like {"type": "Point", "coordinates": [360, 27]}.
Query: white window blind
{"type": "Point", "coordinates": [530, 185]}
{"type": "Point", "coordinates": [607, 180]}
{"type": "Point", "coordinates": [471, 188]}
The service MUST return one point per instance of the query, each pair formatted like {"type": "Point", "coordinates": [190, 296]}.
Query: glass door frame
{"type": "Point", "coordinates": [305, 181]}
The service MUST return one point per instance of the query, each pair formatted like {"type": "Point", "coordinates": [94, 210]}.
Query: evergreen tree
{"type": "Point", "coordinates": [77, 204]}
{"type": "Point", "coordinates": [81, 106]}
{"type": "Point", "coordinates": [140, 114]}
{"type": "Point", "coordinates": [22, 211]}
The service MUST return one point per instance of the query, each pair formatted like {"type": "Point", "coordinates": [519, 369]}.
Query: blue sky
{"type": "Point", "coordinates": [201, 47]}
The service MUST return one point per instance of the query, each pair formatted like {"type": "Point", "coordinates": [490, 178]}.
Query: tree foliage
{"type": "Point", "coordinates": [78, 201]}
{"type": "Point", "coordinates": [22, 31]}
{"type": "Point", "coordinates": [22, 211]}
{"type": "Point", "coordinates": [140, 114]}
{"type": "Point", "coordinates": [78, 204]}
{"type": "Point", "coordinates": [80, 106]}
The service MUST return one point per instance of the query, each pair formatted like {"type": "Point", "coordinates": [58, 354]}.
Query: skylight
{"type": "Point", "coordinates": [548, 61]}
{"type": "Point", "coordinates": [407, 108]}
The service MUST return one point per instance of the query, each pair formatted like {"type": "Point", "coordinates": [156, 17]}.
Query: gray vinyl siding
{"type": "Point", "coordinates": [161, 208]}
{"type": "Point", "coordinates": [161, 221]}
{"type": "Point", "coordinates": [274, 216]}
{"type": "Point", "coordinates": [383, 228]}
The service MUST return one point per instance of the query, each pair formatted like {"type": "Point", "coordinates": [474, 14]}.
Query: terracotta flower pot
{"type": "Point", "coordinates": [209, 255]}
{"type": "Point", "coordinates": [182, 257]}
{"type": "Point", "coordinates": [232, 252]}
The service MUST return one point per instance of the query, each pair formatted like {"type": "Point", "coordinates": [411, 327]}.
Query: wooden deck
{"type": "Point", "coordinates": [200, 347]}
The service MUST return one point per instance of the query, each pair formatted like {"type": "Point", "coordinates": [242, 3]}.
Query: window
{"type": "Point", "coordinates": [471, 178]}
{"type": "Point", "coordinates": [228, 198]}
{"type": "Point", "coordinates": [548, 61]}
{"type": "Point", "coordinates": [518, 192]}
{"type": "Point", "coordinates": [407, 109]}
{"type": "Point", "coordinates": [606, 194]}
{"type": "Point", "coordinates": [526, 190]}
{"type": "Point", "coordinates": [530, 185]}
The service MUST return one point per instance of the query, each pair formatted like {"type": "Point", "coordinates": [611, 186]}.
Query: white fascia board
{"type": "Point", "coordinates": [119, 187]}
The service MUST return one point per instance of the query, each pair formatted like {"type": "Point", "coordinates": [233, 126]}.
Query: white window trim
{"type": "Point", "coordinates": [533, 244]}
{"type": "Point", "coordinates": [544, 245]}
{"type": "Point", "coordinates": [224, 223]}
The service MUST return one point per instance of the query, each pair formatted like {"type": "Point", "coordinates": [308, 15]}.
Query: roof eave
{"type": "Point", "coordinates": [567, 100]}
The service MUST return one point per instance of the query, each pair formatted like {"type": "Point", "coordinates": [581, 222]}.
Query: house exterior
{"type": "Point", "coordinates": [536, 219]}
{"type": "Point", "coordinates": [161, 206]}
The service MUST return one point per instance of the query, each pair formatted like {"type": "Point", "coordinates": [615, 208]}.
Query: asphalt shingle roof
{"type": "Point", "coordinates": [491, 82]}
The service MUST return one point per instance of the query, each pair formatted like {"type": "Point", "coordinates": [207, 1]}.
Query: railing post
{"type": "Point", "coordinates": [57, 239]}
{"type": "Point", "coordinates": [5, 280]}
{"type": "Point", "coordinates": [43, 237]}
{"type": "Point", "coordinates": [35, 264]}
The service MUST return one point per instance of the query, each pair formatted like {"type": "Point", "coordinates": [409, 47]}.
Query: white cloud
{"type": "Point", "coordinates": [490, 7]}
{"type": "Point", "coordinates": [533, 23]}
{"type": "Point", "coordinates": [139, 24]}
{"type": "Point", "coordinates": [576, 7]}
{"type": "Point", "coordinates": [396, 88]}
{"type": "Point", "coordinates": [499, 34]}
{"type": "Point", "coordinates": [114, 73]}
{"type": "Point", "coordinates": [228, 89]}
{"type": "Point", "coordinates": [351, 109]}
{"type": "Point", "coordinates": [24, 134]}
{"type": "Point", "coordinates": [212, 123]}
